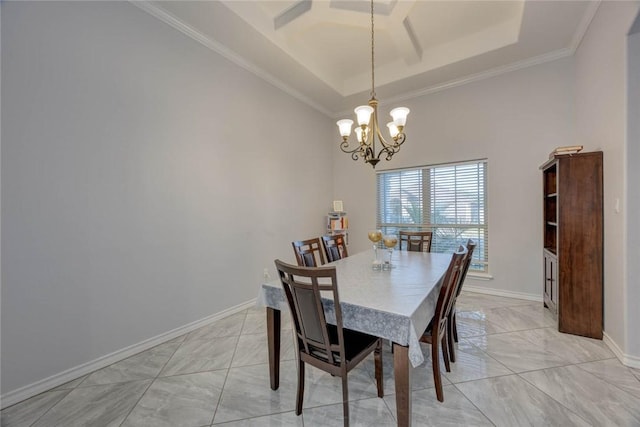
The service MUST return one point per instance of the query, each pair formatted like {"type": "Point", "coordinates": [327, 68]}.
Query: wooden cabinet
{"type": "Point", "coordinates": [573, 238]}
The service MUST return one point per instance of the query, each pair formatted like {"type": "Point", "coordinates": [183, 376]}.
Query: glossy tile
{"type": "Point", "coordinates": [456, 410]}
{"type": "Point", "coordinates": [323, 389]}
{"type": "Point", "coordinates": [594, 399]}
{"type": "Point", "coordinates": [365, 413]}
{"type": "Point", "coordinates": [472, 301]}
{"type": "Point", "coordinates": [421, 376]}
{"type": "Point", "coordinates": [256, 321]}
{"type": "Point", "coordinates": [615, 373]}
{"type": "Point", "coordinates": [517, 353]}
{"type": "Point", "coordinates": [473, 364]}
{"type": "Point", "coordinates": [287, 419]}
{"type": "Point", "coordinates": [573, 348]}
{"type": "Point", "coordinates": [183, 400]}
{"type": "Point", "coordinates": [227, 327]}
{"type": "Point", "coordinates": [71, 384]}
{"type": "Point", "coordinates": [219, 374]}
{"type": "Point", "coordinates": [101, 405]}
{"type": "Point", "coordinates": [138, 367]}
{"type": "Point", "coordinates": [247, 393]}
{"type": "Point", "coordinates": [474, 323]}
{"type": "Point", "coordinates": [511, 401]}
{"type": "Point", "coordinates": [25, 413]}
{"type": "Point", "coordinates": [198, 355]}
{"type": "Point", "coordinates": [522, 317]}
{"type": "Point", "coordinates": [253, 349]}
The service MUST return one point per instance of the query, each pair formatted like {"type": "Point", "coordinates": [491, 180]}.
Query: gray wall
{"type": "Point", "coordinates": [601, 120]}
{"type": "Point", "coordinates": [146, 182]}
{"type": "Point", "coordinates": [514, 121]}
{"type": "Point", "coordinates": [632, 193]}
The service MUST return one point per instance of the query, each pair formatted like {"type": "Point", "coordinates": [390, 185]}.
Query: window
{"type": "Point", "coordinates": [450, 200]}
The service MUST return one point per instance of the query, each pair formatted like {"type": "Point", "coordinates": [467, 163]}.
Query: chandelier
{"type": "Point", "coordinates": [368, 129]}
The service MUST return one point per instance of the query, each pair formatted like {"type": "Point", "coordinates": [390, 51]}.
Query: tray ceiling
{"type": "Point", "coordinates": [319, 50]}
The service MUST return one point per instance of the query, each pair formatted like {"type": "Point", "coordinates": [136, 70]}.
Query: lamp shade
{"type": "Point", "coordinates": [359, 134]}
{"type": "Point", "coordinates": [344, 126]}
{"type": "Point", "coordinates": [364, 114]}
{"type": "Point", "coordinates": [399, 115]}
{"type": "Point", "coordinates": [393, 129]}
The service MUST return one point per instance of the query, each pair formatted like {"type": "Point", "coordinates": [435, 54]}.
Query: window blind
{"type": "Point", "coordinates": [449, 200]}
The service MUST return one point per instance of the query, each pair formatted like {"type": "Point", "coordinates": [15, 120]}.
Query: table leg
{"type": "Point", "coordinates": [402, 371]}
{"type": "Point", "coordinates": [273, 339]}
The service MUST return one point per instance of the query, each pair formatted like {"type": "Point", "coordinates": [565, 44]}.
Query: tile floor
{"type": "Point", "coordinates": [513, 368]}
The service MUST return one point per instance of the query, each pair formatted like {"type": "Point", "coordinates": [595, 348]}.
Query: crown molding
{"type": "Point", "coordinates": [584, 25]}
{"type": "Point", "coordinates": [529, 62]}
{"type": "Point", "coordinates": [168, 18]}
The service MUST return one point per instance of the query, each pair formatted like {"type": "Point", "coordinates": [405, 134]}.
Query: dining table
{"type": "Point", "coordinates": [395, 304]}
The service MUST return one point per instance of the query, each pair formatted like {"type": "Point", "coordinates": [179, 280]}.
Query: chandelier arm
{"type": "Point", "coordinates": [383, 141]}
{"type": "Point", "coordinates": [355, 153]}
{"type": "Point", "coordinates": [395, 145]}
{"type": "Point", "coordinates": [397, 142]}
{"type": "Point", "coordinates": [389, 152]}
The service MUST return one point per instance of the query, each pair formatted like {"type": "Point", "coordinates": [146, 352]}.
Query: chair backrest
{"type": "Point", "coordinates": [450, 283]}
{"type": "Point", "coordinates": [471, 245]}
{"type": "Point", "coordinates": [335, 247]}
{"type": "Point", "coordinates": [308, 252]}
{"type": "Point", "coordinates": [302, 287]}
{"type": "Point", "coordinates": [416, 241]}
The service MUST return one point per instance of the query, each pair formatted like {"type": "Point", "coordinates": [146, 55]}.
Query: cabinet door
{"type": "Point", "coordinates": [551, 282]}
{"type": "Point", "coordinates": [554, 281]}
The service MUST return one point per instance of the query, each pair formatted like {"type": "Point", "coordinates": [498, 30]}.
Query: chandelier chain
{"type": "Point", "coordinates": [368, 134]}
{"type": "Point", "coordinates": [373, 74]}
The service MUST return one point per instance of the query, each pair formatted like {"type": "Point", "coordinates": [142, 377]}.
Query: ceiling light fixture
{"type": "Point", "coordinates": [368, 128]}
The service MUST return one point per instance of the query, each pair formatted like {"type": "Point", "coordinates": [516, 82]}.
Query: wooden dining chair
{"type": "Point", "coordinates": [436, 333]}
{"type": "Point", "coordinates": [335, 247]}
{"type": "Point", "coordinates": [308, 252]}
{"type": "Point", "coordinates": [416, 241]}
{"type": "Point", "coordinates": [453, 326]}
{"type": "Point", "coordinates": [330, 348]}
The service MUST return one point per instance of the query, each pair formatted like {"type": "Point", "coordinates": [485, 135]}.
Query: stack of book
{"type": "Point", "coordinates": [337, 221]}
{"type": "Point", "coordinates": [569, 149]}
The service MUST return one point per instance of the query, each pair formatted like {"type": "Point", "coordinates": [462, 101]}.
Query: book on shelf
{"type": "Point", "coordinates": [340, 223]}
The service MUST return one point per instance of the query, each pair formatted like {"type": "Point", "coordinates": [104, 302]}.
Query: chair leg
{"type": "Point", "coordinates": [450, 338]}
{"type": "Point", "coordinates": [300, 394]}
{"type": "Point", "coordinates": [445, 351]}
{"type": "Point", "coordinates": [435, 359]}
{"type": "Point", "coordinates": [377, 358]}
{"type": "Point", "coordinates": [345, 399]}
{"type": "Point", "coordinates": [455, 326]}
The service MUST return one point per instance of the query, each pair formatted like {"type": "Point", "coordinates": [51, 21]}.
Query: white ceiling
{"type": "Point", "coordinates": [320, 51]}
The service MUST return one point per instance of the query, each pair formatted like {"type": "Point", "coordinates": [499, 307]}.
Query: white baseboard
{"type": "Point", "coordinates": [625, 359]}
{"type": "Point", "coordinates": [30, 390]}
{"type": "Point", "coordinates": [502, 293]}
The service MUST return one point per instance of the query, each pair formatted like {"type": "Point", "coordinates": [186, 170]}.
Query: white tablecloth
{"type": "Point", "coordinates": [395, 305]}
